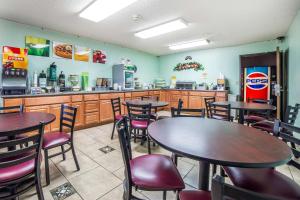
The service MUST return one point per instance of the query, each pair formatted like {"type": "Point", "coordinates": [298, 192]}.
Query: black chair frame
{"type": "Point", "coordinates": [12, 109]}
{"type": "Point", "coordinates": [220, 111]}
{"type": "Point", "coordinates": [116, 107]}
{"type": "Point", "coordinates": [207, 101]}
{"type": "Point", "coordinates": [67, 120]}
{"type": "Point", "coordinates": [15, 188]}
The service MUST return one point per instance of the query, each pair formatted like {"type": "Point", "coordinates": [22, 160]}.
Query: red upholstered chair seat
{"type": "Point", "coordinates": [267, 181]}
{"type": "Point", "coordinates": [119, 117]}
{"type": "Point", "coordinates": [139, 124]}
{"type": "Point", "coordinates": [156, 172]}
{"type": "Point", "coordinates": [194, 195]}
{"type": "Point", "coordinates": [253, 118]}
{"type": "Point", "coordinates": [55, 139]}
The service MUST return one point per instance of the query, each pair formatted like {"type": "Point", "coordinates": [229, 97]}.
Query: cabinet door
{"type": "Point", "coordinates": [195, 102]}
{"type": "Point", "coordinates": [106, 113]}
{"type": "Point", "coordinates": [91, 106]}
{"type": "Point", "coordinates": [80, 114]}
{"type": "Point", "coordinates": [55, 110]}
{"type": "Point", "coordinates": [39, 109]}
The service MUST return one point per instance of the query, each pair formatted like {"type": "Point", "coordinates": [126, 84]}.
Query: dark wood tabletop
{"type": "Point", "coordinates": [154, 104]}
{"type": "Point", "coordinates": [17, 121]}
{"type": "Point", "coordinates": [220, 142]}
{"type": "Point", "coordinates": [240, 105]}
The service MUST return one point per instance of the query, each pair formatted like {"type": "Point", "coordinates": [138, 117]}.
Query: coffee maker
{"type": "Point", "coordinates": [14, 81]}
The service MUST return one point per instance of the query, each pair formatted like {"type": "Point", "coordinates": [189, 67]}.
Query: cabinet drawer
{"type": "Point", "coordinates": [208, 94]}
{"type": "Point", "coordinates": [77, 98]}
{"type": "Point", "coordinates": [109, 96]}
{"type": "Point", "coordinates": [32, 101]}
{"type": "Point", "coordinates": [221, 94]}
{"type": "Point", "coordinates": [139, 94]}
{"type": "Point", "coordinates": [127, 94]}
{"type": "Point", "coordinates": [106, 96]}
{"type": "Point", "coordinates": [91, 106]}
{"type": "Point", "coordinates": [13, 102]}
{"type": "Point", "coordinates": [92, 118]}
{"type": "Point", "coordinates": [91, 97]}
{"type": "Point", "coordinates": [174, 92]}
{"type": "Point", "coordinates": [156, 92]}
{"type": "Point", "coordinates": [175, 97]}
{"type": "Point", "coordinates": [184, 92]}
{"type": "Point", "coordinates": [196, 94]}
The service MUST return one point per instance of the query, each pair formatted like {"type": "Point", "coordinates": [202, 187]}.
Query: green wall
{"type": "Point", "coordinates": [13, 34]}
{"type": "Point", "coordinates": [225, 60]}
{"type": "Point", "coordinates": [293, 43]}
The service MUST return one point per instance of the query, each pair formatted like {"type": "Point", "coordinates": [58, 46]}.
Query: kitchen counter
{"type": "Point", "coordinates": [98, 92]}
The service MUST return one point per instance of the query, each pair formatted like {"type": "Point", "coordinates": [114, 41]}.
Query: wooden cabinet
{"type": "Point", "coordinates": [106, 113]}
{"type": "Point", "coordinates": [138, 95]}
{"type": "Point", "coordinates": [92, 118]}
{"type": "Point", "coordinates": [91, 112]}
{"type": "Point", "coordinates": [55, 110]}
{"type": "Point", "coordinates": [90, 97]}
{"type": "Point", "coordinates": [12, 102]}
{"type": "Point", "coordinates": [45, 109]}
{"type": "Point", "coordinates": [80, 114]}
{"type": "Point", "coordinates": [196, 102]}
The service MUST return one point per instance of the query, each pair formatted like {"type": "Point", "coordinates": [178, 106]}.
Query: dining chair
{"type": "Point", "coordinates": [154, 110]}
{"type": "Point", "coordinates": [117, 112]}
{"type": "Point", "coordinates": [185, 112]}
{"type": "Point", "coordinates": [224, 191]}
{"type": "Point", "coordinates": [268, 180]}
{"type": "Point", "coordinates": [12, 109]}
{"type": "Point", "coordinates": [256, 116]}
{"type": "Point", "coordinates": [20, 167]}
{"type": "Point", "coordinates": [219, 112]}
{"type": "Point", "coordinates": [139, 120]}
{"type": "Point", "coordinates": [153, 172]}
{"type": "Point", "coordinates": [290, 117]}
{"type": "Point", "coordinates": [207, 101]}
{"type": "Point", "coordinates": [60, 138]}
{"type": "Point", "coordinates": [179, 107]}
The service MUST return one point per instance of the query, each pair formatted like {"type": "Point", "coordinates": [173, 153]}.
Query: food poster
{"type": "Point", "coordinates": [99, 56]}
{"type": "Point", "coordinates": [15, 57]}
{"type": "Point", "coordinates": [82, 53]}
{"type": "Point", "coordinates": [62, 50]}
{"type": "Point", "coordinates": [37, 46]}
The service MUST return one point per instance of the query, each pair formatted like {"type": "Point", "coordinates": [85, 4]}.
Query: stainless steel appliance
{"type": "Point", "coordinates": [14, 81]}
{"type": "Point", "coordinates": [123, 76]}
{"type": "Point", "coordinates": [185, 85]}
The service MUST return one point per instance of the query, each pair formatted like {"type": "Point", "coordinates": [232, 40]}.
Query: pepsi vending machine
{"type": "Point", "coordinates": [257, 82]}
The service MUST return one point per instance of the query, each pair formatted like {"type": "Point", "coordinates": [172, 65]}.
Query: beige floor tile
{"type": "Point", "coordinates": [184, 167]}
{"type": "Point", "coordinates": [158, 195]}
{"type": "Point", "coordinates": [93, 151]}
{"type": "Point", "coordinates": [120, 173]}
{"type": "Point", "coordinates": [284, 169]}
{"type": "Point", "coordinates": [111, 161]}
{"type": "Point", "coordinates": [68, 167]}
{"type": "Point", "coordinates": [295, 174]}
{"type": "Point", "coordinates": [192, 177]}
{"type": "Point", "coordinates": [95, 183]}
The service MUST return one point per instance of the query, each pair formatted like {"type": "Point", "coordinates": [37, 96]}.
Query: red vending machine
{"type": "Point", "coordinates": [257, 81]}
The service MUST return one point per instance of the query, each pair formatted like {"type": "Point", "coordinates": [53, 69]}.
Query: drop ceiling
{"type": "Point", "coordinates": [223, 22]}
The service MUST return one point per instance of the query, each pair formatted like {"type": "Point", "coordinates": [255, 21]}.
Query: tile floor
{"type": "Point", "coordinates": [101, 174]}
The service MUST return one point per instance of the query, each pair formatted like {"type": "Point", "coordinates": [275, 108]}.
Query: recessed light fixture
{"type": "Point", "coordinates": [162, 29]}
{"type": "Point", "coordinates": [185, 45]}
{"type": "Point", "coordinates": [102, 9]}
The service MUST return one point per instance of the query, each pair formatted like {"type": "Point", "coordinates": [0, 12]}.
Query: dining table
{"type": "Point", "coordinates": [242, 107]}
{"type": "Point", "coordinates": [11, 122]}
{"type": "Point", "coordinates": [218, 142]}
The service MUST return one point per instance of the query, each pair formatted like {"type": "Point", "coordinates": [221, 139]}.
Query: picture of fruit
{"type": "Point", "coordinates": [99, 56]}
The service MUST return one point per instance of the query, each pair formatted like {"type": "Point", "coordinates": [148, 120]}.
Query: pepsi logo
{"type": "Point", "coordinates": [257, 81]}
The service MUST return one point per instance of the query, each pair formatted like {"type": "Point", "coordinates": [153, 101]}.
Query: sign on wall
{"type": "Point", "coordinates": [62, 50]}
{"type": "Point", "coordinates": [82, 54]}
{"type": "Point", "coordinates": [15, 57]}
{"type": "Point", "coordinates": [37, 46]}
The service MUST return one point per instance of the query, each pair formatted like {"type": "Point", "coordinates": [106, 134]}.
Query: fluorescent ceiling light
{"type": "Point", "coordinates": [162, 29]}
{"type": "Point", "coordinates": [190, 44]}
{"type": "Point", "coordinates": [102, 9]}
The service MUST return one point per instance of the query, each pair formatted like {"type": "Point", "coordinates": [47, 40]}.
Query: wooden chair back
{"type": "Point", "coordinates": [291, 114]}
{"type": "Point", "coordinates": [67, 118]}
{"type": "Point", "coordinates": [139, 112]}
{"type": "Point", "coordinates": [220, 112]}
{"type": "Point", "coordinates": [207, 101]}
{"type": "Point", "coordinates": [184, 112]}
{"type": "Point", "coordinates": [12, 109]}
{"type": "Point", "coordinates": [116, 106]}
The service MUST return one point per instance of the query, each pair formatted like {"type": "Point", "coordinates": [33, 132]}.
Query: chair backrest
{"type": "Point", "coordinates": [221, 112]}
{"type": "Point", "coordinates": [262, 101]}
{"type": "Point", "coordinates": [11, 156]}
{"type": "Point", "coordinates": [290, 134]}
{"type": "Point", "coordinates": [139, 112]}
{"type": "Point", "coordinates": [291, 114]}
{"type": "Point", "coordinates": [67, 118]}
{"type": "Point", "coordinates": [207, 101]}
{"type": "Point", "coordinates": [124, 139]}
{"type": "Point", "coordinates": [185, 112]}
{"type": "Point", "coordinates": [12, 109]}
{"type": "Point", "coordinates": [224, 191]}
{"type": "Point", "coordinates": [116, 106]}
{"type": "Point", "coordinates": [154, 98]}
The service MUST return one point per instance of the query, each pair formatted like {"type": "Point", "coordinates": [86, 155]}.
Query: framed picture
{"type": "Point", "coordinates": [37, 46]}
{"type": "Point", "coordinates": [62, 50]}
{"type": "Point", "coordinates": [99, 56]}
{"type": "Point", "coordinates": [15, 57]}
{"type": "Point", "coordinates": [82, 54]}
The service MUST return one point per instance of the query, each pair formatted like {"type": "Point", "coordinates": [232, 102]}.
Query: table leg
{"type": "Point", "coordinates": [241, 116]}
{"type": "Point", "coordinates": [203, 175]}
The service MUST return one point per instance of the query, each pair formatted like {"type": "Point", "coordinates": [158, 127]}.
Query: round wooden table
{"type": "Point", "coordinates": [11, 122]}
{"type": "Point", "coordinates": [154, 104]}
{"type": "Point", "coordinates": [219, 142]}
{"type": "Point", "coordinates": [245, 106]}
